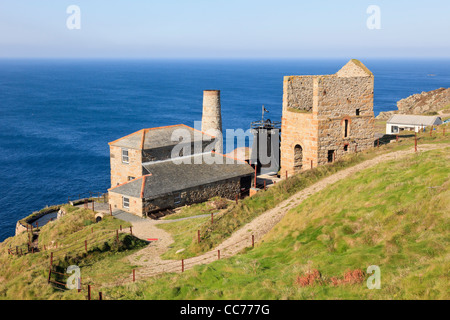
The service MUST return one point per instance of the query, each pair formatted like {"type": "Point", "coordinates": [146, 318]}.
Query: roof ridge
{"type": "Point", "coordinates": [129, 181]}
{"type": "Point", "coordinates": [199, 131]}
{"type": "Point", "coordinates": [128, 135]}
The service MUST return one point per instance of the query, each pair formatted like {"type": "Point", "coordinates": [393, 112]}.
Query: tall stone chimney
{"type": "Point", "coordinates": [212, 117]}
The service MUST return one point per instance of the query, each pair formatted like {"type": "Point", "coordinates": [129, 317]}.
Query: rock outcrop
{"type": "Point", "coordinates": [425, 102]}
{"type": "Point", "coordinates": [421, 103]}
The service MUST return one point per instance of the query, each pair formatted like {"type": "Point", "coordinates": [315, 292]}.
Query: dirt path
{"type": "Point", "coordinates": [149, 258]}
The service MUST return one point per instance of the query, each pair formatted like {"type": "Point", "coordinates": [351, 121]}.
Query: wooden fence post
{"type": "Point", "coordinates": [89, 292]}
{"type": "Point", "coordinates": [117, 236]}
{"type": "Point", "coordinates": [100, 296]}
{"type": "Point", "coordinates": [415, 141]}
{"type": "Point", "coordinates": [198, 236]}
{"type": "Point", "coordinates": [49, 274]}
{"type": "Point", "coordinates": [51, 259]}
{"type": "Point", "coordinates": [218, 254]}
{"type": "Point", "coordinates": [110, 210]}
{"type": "Point", "coordinates": [131, 230]}
{"type": "Point", "coordinates": [212, 218]}
{"type": "Point", "coordinates": [253, 241]}
{"type": "Point", "coordinates": [134, 276]}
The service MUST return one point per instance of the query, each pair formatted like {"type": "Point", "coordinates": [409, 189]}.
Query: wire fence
{"type": "Point", "coordinates": [86, 284]}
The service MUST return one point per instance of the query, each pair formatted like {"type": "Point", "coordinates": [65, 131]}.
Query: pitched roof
{"type": "Point", "coordinates": [354, 68]}
{"type": "Point", "coordinates": [414, 120]}
{"type": "Point", "coordinates": [158, 137]}
{"type": "Point", "coordinates": [168, 176]}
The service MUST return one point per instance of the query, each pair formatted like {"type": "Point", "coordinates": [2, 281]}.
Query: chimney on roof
{"type": "Point", "coordinates": [212, 117]}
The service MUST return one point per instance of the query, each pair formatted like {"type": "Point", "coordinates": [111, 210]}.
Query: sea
{"type": "Point", "coordinates": [57, 116]}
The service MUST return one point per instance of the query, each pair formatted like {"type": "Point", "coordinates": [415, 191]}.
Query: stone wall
{"type": "Point", "coordinates": [360, 137]}
{"type": "Point", "coordinates": [116, 202]}
{"type": "Point", "coordinates": [298, 92]}
{"type": "Point", "coordinates": [340, 97]}
{"type": "Point", "coordinates": [225, 189]}
{"type": "Point", "coordinates": [121, 171]}
{"type": "Point", "coordinates": [298, 129]}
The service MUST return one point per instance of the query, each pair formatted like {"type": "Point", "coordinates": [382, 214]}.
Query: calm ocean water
{"type": "Point", "coordinates": [57, 116]}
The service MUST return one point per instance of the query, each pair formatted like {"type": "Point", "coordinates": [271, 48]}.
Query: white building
{"type": "Point", "coordinates": [400, 122]}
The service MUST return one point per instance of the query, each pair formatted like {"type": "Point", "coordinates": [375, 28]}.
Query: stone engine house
{"type": "Point", "coordinates": [325, 117]}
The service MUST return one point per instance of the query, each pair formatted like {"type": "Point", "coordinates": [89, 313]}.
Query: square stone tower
{"type": "Point", "coordinates": [326, 116]}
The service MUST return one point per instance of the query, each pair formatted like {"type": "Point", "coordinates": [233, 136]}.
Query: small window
{"type": "Point", "coordinates": [330, 156]}
{"type": "Point", "coordinates": [125, 158]}
{"type": "Point", "coordinates": [125, 203]}
{"type": "Point", "coordinates": [131, 178]}
{"type": "Point", "coordinates": [346, 147]}
{"type": "Point", "coordinates": [177, 198]}
{"type": "Point", "coordinates": [345, 128]}
{"type": "Point", "coordinates": [357, 112]}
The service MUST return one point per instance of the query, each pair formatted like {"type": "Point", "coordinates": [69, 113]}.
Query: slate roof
{"type": "Point", "coordinates": [166, 176]}
{"type": "Point", "coordinates": [414, 120]}
{"type": "Point", "coordinates": [157, 137]}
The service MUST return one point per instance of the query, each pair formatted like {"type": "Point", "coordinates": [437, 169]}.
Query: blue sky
{"type": "Point", "coordinates": [224, 29]}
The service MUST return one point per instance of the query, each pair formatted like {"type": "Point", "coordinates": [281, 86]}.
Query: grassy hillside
{"type": "Point", "coordinates": [394, 215]}
{"type": "Point", "coordinates": [26, 276]}
{"type": "Point", "coordinates": [235, 216]}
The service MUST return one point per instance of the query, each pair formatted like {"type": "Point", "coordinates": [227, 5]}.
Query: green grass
{"type": "Point", "coordinates": [184, 234]}
{"type": "Point", "coordinates": [25, 277]}
{"type": "Point", "coordinates": [387, 215]}
{"type": "Point", "coordinates": [238, 215]}
{"type": "Point", "coordinates": [391, 215]}
{"type": "Point", "coordinates": [197, 209]}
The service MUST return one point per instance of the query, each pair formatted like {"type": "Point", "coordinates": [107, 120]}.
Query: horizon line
{"type": "Point", "coordinates": [231, 58]}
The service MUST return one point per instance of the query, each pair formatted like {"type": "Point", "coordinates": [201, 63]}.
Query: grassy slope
{"type": "Point", "coordinates": [387, 216]}
{"type": "Point", "coordinates": [25, 277]}
{"type": "Point", "coordinates": [268, 271]}
{"type": "Point", "coordinates": [238, 215]}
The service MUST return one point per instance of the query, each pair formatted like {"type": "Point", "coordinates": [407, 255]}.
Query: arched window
{"type": "Point", "coordinates": [298, 157]}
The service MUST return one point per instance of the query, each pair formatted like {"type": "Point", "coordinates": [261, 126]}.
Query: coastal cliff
{"type": "Point", "coordinates": [427, 103]}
